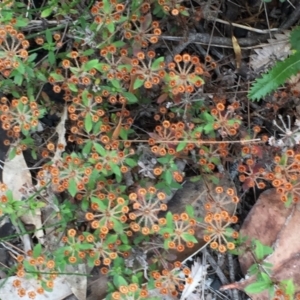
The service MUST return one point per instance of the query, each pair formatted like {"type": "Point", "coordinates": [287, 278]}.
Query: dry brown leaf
{"type": "Point", "coordinates": [17, 177]}
{"type": "Point", "coordinates": [117, 130]}
{"type": "Point", "coordinates": [237, 51]}
{"type": "Point", "coordinates": [9, 292]}
{"type": "Point", "coordinates": [279, 48]}
{"type": "Point", "coordinates": [77, 283]}
{"type": "Point", "coordinates": [276, 226]}
{"type": "Point", "coordinates": [61, 131]}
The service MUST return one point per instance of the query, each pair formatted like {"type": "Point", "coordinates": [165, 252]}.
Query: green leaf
{"type": "Point", "coordinates": [101, 203]}
{"type": "Point", "coordinates": [111, 238]}
{"type": "Point", "coordinates": [33, 154]}
{"type": "Point", "coordinates": [289, 287]}
{"type": "Point", "coordinates": [253, 269]}
{"type": "Point", "coordinates": [85, 204]}
{"type": "Point", "coordinates": [18, 79]}
{"type": "Point", "coordinates": [115, 83]}
{"type": "Point", "coordinates": [88, 52]}
{"type": "Point", "coordinates": [295, 38]}
{"type": "Point", "coordinates": [115, 168]}
{"type": "Point", "coordinates": [37, 250]}
{"type": "Point", "coordinates": [72, 188]}
{"type": "Point", "coordinates": [119, 44]}
{"type": "Point", "coordinates": [51, 57]}
{"type": "Point", "coordinates": [124, 248]}
{"type": "Point", "coordinates": [207, 117]}
{"type": "Point", "coordinates": [257, 287]}
{"type": "Point", "coordinates": [134, 279]}
{"type": "Point", "coordinates": [111, 27]}
{"type": "Point", "coordinates": [12, 153]}
{"type": "Point", "coordinates": [156, 64]}
{"type": "Point", "coordinates": [100, 149]}
{"type": "Point", "coordinates": [261, 250]}
{"type": "Point", "coordinates": [48, 36]}
{"type": "Point", "coordinates": [100, 66]}
{"type": "Point", "coordinates": [166, 244]}
{"type": "Point", "coordinates": [276, 77]}
{"type": "Point", "coordinates": [21, 68]}
{"type": "Point", "coordinates": [169, 218]}
{"type": "Point", "coordinates": [21, 22]}
{"type": "Point", "coordinates": [124, 133]}
{"type": "Point", "coordinates": [190, 211]}
{"type": "Point", "coordinates": [41, 76]}
{"type": "Point", "coordinates": [165, 159]}
{"type": "Point", "coordinates": [90, 262]}
{"type": "Point", "coordinates": [267, 265]}
{"type": "Point", "coordinates": [184, 13]}
{"type": "Point", "coordinates": [46, 12]}
{"type": "Point", "coordinates": [90, 64]}
{"type": "Point", "coordinates": [72, 87]}
{"type": "Point", "coordinates": [57, 77]}
{"type": "Point", "coordinates": [130, 162]}
{"type": "Point", "coordinates": [208, 128]}
{"type": "Point", "coordinates": [84, 96]}
{"type": "Point", "coordinates": [85, 246]}
{"type": "Point", "coordinates": [131, 98]}
{"type": "Point", "coordinates": [88, 123]}
{"type": "Point", "coordinates": [181, 146]}
{"type": "Point", "coordinates": [168, 177]}
{"type": "Point", "coordinates": [188, 237]}
{"type": "Point", "coordinates": [118, 226]}
{"type": "Point", "coordinates": [124, 238]}
{"type": "Point", "coordinates": [266, 278]}
{"type": "Point", "coordinates": [138, 83]}
{"type": "Point", "coordinates": [87, 148]}
{"type": "Point", "coordinates": [119, 281]}
{"type": "Point", "coordinates": [106, 4]}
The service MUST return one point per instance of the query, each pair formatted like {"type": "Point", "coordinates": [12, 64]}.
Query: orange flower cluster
{"type": "Point", "coordinates": [286, 176]}
{"type": "Point", "coordinates": [142, 31]}
{"type": "Point", "coordinates": [173, 6]}
{"type": "Point", "coordinates": [225, 121]}
{"type": "Point", "coordinates": [146, 206]}
{"type": "Point", "coordinates": [169, 282]}
{"type": "Point", "coordinates": [167, 136]}
{"type": "Point", "coordinates": [18, 115]}
{"type": "Point", "coordinates": [184, 74]}
{"type": "Point", "coordinates": [105, 13]}
{"type": "Point", "coordinates": [41, 267]}
{"type": "Point", "coordinates": [13, 47]}
{"type": "Point", "coordinates": [217, 220]}
{"type": "Point", "coordinates": [149, 70]}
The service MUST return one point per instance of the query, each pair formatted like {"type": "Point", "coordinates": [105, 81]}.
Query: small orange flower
{"type": "Point", "coordinates": [95, 224]}
{"type": "Point", "coordinates": [39, 41]}
{"type": "Point", "coordinates": [230, 246]}
{"type": "Point", "coordinates": [74, 54]}
{"type": "Point", "coordinates": [89, 216]}
{"type": "Point", "coordinates": [66, 64]}
{"type": "Point", "coordinates": [31, 294]}
{"type": "Point", "coordinates": [21, 292]}
{"type": "Point", "coordinates": [72, 259]}
{"type": "Point", "coordinates": [50, 264]}
{"type": "Point", "coordinates": [214, 245]}
{"type": "Point", "coordinates": [220, 107]}
{"type": "Point", "coordinates": [50, 284]}
{"type": "Point", "coordinates": [16, 283]}
{"type": "Point", "coordinates": [71, 232]}
{"type": "Point", "coordinates": [222, 248]}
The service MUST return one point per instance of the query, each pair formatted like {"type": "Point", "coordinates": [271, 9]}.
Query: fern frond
{"type": "Point", "coordinates": [275, 77]}
{"type": "Point", "coordinates": [295, 38]}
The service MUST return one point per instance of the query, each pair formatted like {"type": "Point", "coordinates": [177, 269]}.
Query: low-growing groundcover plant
{"type": "Point", "coordinates": [112, 121]}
